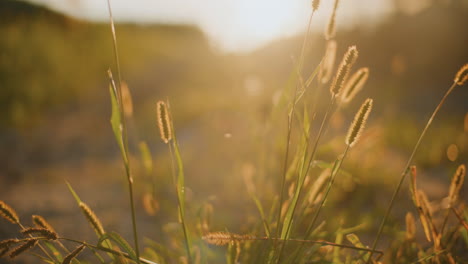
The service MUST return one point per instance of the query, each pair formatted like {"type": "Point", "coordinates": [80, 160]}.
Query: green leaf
{"type": "Point", "coordinates": [54, 250]}
{"type": "Point", "coordinates": [262, 214]}
{"type": "Point", "coordinates": [312, 75]}
{"type": "Point", "coordinates": [116, 122]}
{"type": "Point", "coordinates": [121, 242]}
{"type": "Point", "coordinates": [288, 220]}
{"type": "Point", "coordinates": [77, 198]}
{"type": "Point", "coordinates": [146, 157]}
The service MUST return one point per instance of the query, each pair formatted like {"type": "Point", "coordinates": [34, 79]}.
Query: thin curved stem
{"type": "Point", "coordinates": [124, 133]}
{"type": "Point", "coordinates": [407, 168]}
{"type": "Point", "coordinates": [330, 184]}
{"type": "Point", "coordinates": [38, 244]}
{"type": "Point", "coordinates": [312, 156]}
{"type": "Point", "coordinates": [107, 250]}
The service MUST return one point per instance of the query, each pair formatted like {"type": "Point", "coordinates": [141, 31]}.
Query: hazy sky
{"type": "Point", "coordinates": [232, 25]}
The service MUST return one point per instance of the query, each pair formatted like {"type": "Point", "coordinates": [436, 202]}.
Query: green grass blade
{"type": "Point", "coordinates": [116, 122]}
{"type": "Point", "coordinates": [55, 252]}
{"type": "Point", "coordinates": [262, 215]}
{"type": "Point", "coordinates": [300, 181]}
{"type": "Point", "coordinates": [121, 242]}
{"type": "Point", "coordinates": [146, 157]}
{"type": "Point", "coordinates": [77, 198]}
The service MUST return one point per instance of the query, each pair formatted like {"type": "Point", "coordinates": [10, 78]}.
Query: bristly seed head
{"type": "Point", "coordinates": [331, 27]}
{"type": "Point", "coordinates": [456, 184]}
{"type": "Point", "coordinates": [359, 122]}
{"type": "Point", "coordinates": [462, 75]}
{"type": "Point", "coordinates": [224, 238]}
{"type": "Point", "coordinates": [39, 221]}
{"type": "Point", "coordinates": [354, 84]}
{"type": "Point", "coordinates": [164, 121]}
{"type": "Point", "coordinates": [8, 242]}
{"type": "Point", "coordinates": [326, 67]}
{"type": "Point", "coordinates": [92, 219]}
{"type": "Point", "coordinates": [40, 231]}
{"type": "Point", "coordinates": [341, 76]}
{"type": "Point", "coordinates": [315, 5]}
{"type": "Point", "coordinates": [25, 246]}
{"type": "Point", "coordinates": [8, 213]}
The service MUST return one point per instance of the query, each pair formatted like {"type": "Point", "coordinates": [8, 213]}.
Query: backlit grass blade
{"type": "Point", "coordinates": [120, 241]}
{"type": "Point", "coordinates": [116, 121]}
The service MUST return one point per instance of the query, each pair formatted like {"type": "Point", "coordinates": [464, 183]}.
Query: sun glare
{"type": "Point", "coordinates": [263, 20]}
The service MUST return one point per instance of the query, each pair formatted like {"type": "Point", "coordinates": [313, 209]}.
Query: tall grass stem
{"type": "Point", "coordinates": [407, 168]}
{"type": "Point", "coordinates": [125, 134]}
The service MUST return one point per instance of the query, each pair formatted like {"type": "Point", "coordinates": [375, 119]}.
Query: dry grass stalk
{"type": "Point", "coordinates": [331, 26]}
{"type": "Point", "coordinates": [164, 121]}
{"type": "Point", "coordinates": [426, 215]}
{"type": "Point", "coordinates": [3, 251]}
{"type": "Point", "coordinates": [92, 219]}
{"type": "Point", "coordinates": [341, 76]}
{"type": "Point", "coordinates": [410, 226]}
{"type": "Point", "coordinates": [49, 234]}
{"type": "Point", "coordinates": [30, 243]}
{"type": "Point", "coordinates": [39, 221]}
{"type": "Point", "coordinates": [354, 84]}
{"type": "Point", "coordinates": [326, 68]}
{"type": "Point", "coordinates": [462, 75]}
{"type": "Point", "coordinates": [8, 242]}
{"type": "Point", "coordinates": [68, 259]}
{"type": "Point", "coordinates": [414, 173]}
{"type": "Point", "coordinates": [359, 123]}
{"type": "Point", "coordinates": [457, 183]}
{"type": "Point", "coordinates": [8, 213]}
{"type": "Point", "coordinates": [315, 5]}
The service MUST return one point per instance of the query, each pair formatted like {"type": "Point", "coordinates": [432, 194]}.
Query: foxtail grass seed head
{"type": "Point", "coordinates": [359, 122]}
{"type": "Point", "coordinates": [3, 251]}
{"type": "Point", "coordinates": [224, 238]}
{"type": "Point", "coordinates": [422, 211]}
{"type": "Point", "coordinates": [354, 84]}
{"type": "Point", "coordinates": [68, 259]}
{"type": "Point", "coordinates": [326, 68]}
{"type": "Point", "coordinates": [92, 219]}
{"type": "Point", "coordinates": [462, 75]}
{"type": "Point", "coordinates": [315, 5]}
{"type": "Point", "coordinates": [8, 213]}
{"type": "Point", "coordinates": [410, 226]}
{"type": "Point", "coordinates": [218, 238]}
{"type": "Point", "coordinates": [331, 26]}
{"type": "Point", "coordinates": [44, 232]}
{"type": "Point", "coordinates": [39, 221]}
{"type": "Point", "coordinates": [8, 242]}
{"type": "Point", "coordinates": [456, 184]}
{"type": "Point", "coordinates": [341, 76]}
{"type": "Point", "coordinates": [164, 122]}
{"type": "Point", "coordinates": [22, 248]}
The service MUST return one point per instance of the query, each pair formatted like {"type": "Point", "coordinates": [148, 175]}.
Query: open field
{"type": "Point", "coordinates": [259, 166]}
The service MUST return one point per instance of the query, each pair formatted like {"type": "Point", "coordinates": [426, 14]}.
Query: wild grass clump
{"type": "Point", "coordinates": [297, 219]}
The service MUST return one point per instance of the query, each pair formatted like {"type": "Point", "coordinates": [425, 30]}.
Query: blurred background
{"type": "Point", "coordinates": [223, 66]}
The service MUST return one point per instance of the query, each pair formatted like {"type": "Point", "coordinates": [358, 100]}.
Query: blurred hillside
{"type": "Point", "coordinates": [54, 85]}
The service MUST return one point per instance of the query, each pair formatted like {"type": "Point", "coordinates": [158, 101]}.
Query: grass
{"type": "Point", "coordinates": [294, 200]}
